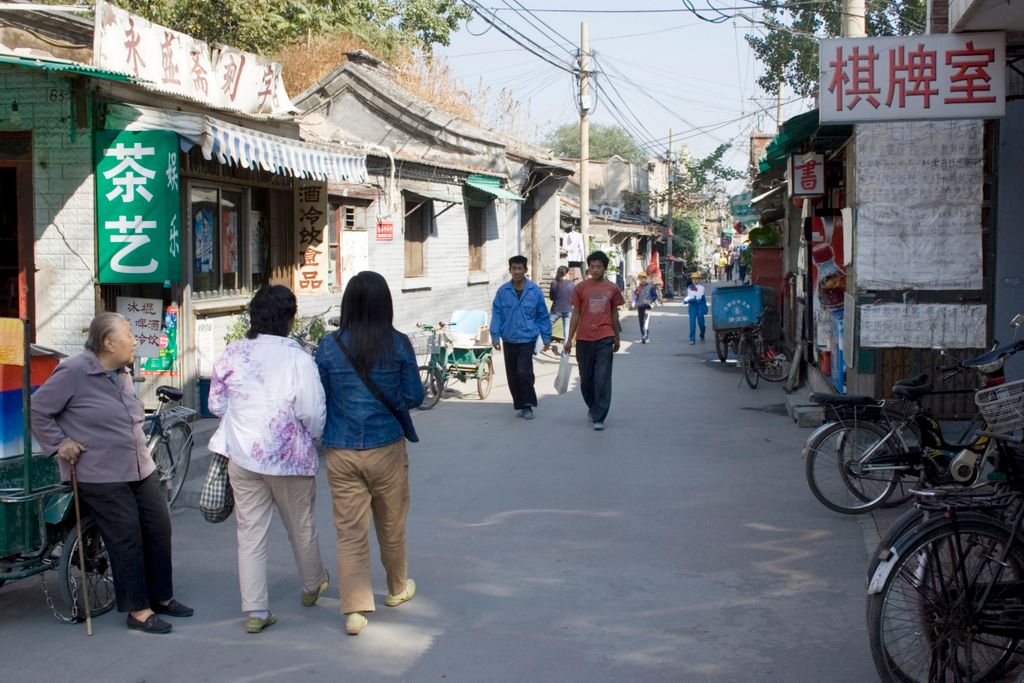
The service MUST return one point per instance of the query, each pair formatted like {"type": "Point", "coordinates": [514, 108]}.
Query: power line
{"type": "Point", "coordinates": [507, 30]}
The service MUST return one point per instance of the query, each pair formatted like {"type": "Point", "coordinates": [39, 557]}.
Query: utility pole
{"type": "Point", "coordinates": [584, 141]}
{"type": "Point", "coordinates": [778, 108]}
{"type": "Point", "coordinates": [671, 204]}
{"type": "Point", "coordinates": [854, 25]}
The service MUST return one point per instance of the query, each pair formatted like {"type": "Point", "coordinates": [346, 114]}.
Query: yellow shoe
{"type": "Point", "coordinates": [309, 599]}
{"type": "Point", "coordinates": [255, 624]}
{"type": "Point", "coordinates": [354, 623]}
{"type": "Point", "coordinates": [404, 596]}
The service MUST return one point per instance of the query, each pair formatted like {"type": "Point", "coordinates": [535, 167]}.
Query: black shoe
{"type": "Point", "coordinates": [153, 624]}
{"type": "Point", "coordinates": [172, 609]}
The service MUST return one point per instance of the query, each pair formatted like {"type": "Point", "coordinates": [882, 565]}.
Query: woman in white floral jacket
{"type": "Point", "coordinates": [267, 390]}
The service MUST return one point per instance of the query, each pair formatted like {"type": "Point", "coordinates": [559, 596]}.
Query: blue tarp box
{"type": "Point", "coordinates": [734, 307]}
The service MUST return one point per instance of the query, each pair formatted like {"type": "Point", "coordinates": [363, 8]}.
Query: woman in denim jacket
{"type": "Point", "coordinates": [367, 462]}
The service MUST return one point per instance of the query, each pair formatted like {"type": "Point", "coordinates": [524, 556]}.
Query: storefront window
{"type": "Point", "coordinates": [259, 238]}
{"type": "Point", "coordinates": [220, 233]}
{"type": "Point", "coordinates": [204, 213]}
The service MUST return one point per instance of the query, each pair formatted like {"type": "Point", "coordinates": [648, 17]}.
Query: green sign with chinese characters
{"type": "Point", "coordinates": [138, 206]}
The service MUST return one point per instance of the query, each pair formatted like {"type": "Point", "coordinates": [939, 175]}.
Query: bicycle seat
{"type": "Point", "coordinates": [167, 393]}
{"type": "Point", "coordinates": [911, 393]}
{"type": "Point", "coordinates": [918, 381]}
{"type": "Point", "coordinates": [823, 399]}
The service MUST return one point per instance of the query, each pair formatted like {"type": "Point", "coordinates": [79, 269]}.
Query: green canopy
{"type": "Point", "coordinates": [62, 66]}
{"type": "Point", "coordinates": [793, 134]}
{"type": "Point", "coordinates": [492, 186]}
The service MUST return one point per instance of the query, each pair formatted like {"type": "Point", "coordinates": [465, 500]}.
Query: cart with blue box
{"type": "Point", "coordinates": [37, 522]}
{"type": "Point", "coordinates": [459, 350]}
{"type": "Point", "coordinates": [732, 309]}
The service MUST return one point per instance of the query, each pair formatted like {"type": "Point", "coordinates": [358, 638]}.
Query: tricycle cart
{"type": "Point", "coordinates": [732, 309]}
{"type": "Point", "coordinates": [458, 350]}
{"type": "Point", "coordinates": [37, 522]}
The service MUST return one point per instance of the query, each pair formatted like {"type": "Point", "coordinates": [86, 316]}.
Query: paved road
{"type": "Point", "coordinates": [681, 544]}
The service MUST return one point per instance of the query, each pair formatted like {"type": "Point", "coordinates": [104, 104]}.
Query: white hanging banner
{"type": "Point", "coordinates": [222, 77]}
{"type": "Point", "coordinates": [922, 326]}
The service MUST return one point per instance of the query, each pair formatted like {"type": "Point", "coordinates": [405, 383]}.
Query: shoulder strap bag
{"type": "Point", "coordinates": [402, 416]}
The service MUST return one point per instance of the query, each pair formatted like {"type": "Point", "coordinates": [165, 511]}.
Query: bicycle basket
{"type": "Point", "coordinates": [178, 414]}
{"type": "Point", "coordinates": [1002, 406]}
{"type": "Point", "coordinates": [420, 342]}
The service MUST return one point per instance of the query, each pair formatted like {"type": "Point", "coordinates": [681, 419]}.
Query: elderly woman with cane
{"type": "Point", "coordinates": [88, 414]}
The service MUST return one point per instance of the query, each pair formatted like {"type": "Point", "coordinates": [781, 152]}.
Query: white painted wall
{"type": "Point", "coordinates": [64, 206]}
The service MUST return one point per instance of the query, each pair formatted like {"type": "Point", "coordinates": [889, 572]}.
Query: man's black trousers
{"type": "Point", "coordinates": [519, 370]}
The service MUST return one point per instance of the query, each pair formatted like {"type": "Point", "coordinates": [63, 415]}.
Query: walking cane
{"type": "Point", "coordinates": [81, 549]}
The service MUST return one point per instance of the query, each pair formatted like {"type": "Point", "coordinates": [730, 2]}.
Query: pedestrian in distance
{"type": "Point", "coordinates": [697, 306]}
{"type": "Point", "coordinates": [266, 390]}
{"type": "Point", "coordinates": [720, 265]}
{"type": "Point", "coordinates": [643, 300]}
{"type": "Point", "coordinates": [518, 316]}
{"type": "Point", "coordinates": [87, 413]}
{"type": "Point", "coordinates": [369, 373]}
{"type": "Point", "coordinates": [595, 328]}
{"type": "Point", "coordinates": [560, 293]}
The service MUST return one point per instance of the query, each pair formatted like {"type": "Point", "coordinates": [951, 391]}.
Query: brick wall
{"type": "Point", "coordinates": [64, 206]}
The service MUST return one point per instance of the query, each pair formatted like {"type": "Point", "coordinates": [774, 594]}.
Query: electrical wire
{"type": "Point", "coordinates": [507, 30]}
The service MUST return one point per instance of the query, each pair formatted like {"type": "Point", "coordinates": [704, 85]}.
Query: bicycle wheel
{"type": "Point", "coordinates": [925, 623]}
{"type": "Point", "coordinates": [172, 456]}
{"type": "Point", "coordinates": [484, 381]}
{"type": "Point", "coordinates": [721, 346]}
{"type": "Point", "coordinates": [431, 391]}
{"type": "Point", "coordinates": [748, 359]}
{"type": "Point", "coordinates": [773, 365]}
{"type": "Point", "coordinates": [98, 575]}
{"type": "Point", "coordinates": [835, 474]}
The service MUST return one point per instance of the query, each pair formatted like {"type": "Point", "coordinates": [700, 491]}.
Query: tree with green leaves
{"type": "Point", "coordinates": [605, 142]}
{"type": "Point", "coordinates": [266, 26]}
{"type": "Point", "coordinates": [787, 46]}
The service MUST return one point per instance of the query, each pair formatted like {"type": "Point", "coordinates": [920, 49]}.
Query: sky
{"type": "Point", "coordinates": [657, 71]}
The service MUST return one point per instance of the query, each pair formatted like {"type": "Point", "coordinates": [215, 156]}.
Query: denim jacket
{"type": "Point", "coordinates": [355, 419]}
{"type": "Point", "coordinates": [520, 319]}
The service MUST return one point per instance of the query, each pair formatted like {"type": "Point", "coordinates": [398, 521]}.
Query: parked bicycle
{"type": "Point", "coordinates": [855, 463]}
{"type": "Point", "coordinates": [169, 441]}
{"type": "Point", "coordinates": [760, 357]}
{"type": "Point", "coordinates": [946, 592]}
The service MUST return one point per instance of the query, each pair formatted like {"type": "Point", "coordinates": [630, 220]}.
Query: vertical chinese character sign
{"type": "Point", "coordinates": [146, 318]}
{"type": "Point", "coordinates": [138, 222]}
{"type": "Point", "coordinates": [310, 237]}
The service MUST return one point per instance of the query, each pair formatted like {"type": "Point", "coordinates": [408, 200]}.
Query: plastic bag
{"type": "Point", "coordinates": [564, 371]}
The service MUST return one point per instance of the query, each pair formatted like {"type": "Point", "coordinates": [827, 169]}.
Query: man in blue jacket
{"type": "Point", "coordinates": [518, 316]}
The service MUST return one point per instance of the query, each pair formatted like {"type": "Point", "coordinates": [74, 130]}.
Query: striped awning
{"type": "Point", "coordinates": [253, 149]}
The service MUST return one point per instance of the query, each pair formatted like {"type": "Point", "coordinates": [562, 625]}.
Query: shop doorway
{"type": "Point", "coordinates": [16, 234]}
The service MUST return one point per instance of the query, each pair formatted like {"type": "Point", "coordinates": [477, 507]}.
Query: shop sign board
{"type": "Point", "coordinates": [310, 236]}
{"type": "Point", "coordinates": [146, 318]}
{"type": "Point", "coordinates": [137, 206]}
{"type": "Point", "coordinates": [222, 77]}
{"type": "Point", "coordinates": [903, 78]}
{"type": "Point", "coordinates": [923, 326]}
{"type": "Point", "coordinates": [12, 341]}
{"type": "Point", "coordinates": [385, 231]}
{"type": "Point", "coordinates": [806, 175]}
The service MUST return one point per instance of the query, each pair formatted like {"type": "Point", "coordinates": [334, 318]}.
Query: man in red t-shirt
{"type": "Point", "coordinates": [595, 327]}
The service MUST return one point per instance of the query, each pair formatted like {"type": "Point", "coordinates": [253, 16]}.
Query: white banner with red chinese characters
{"type": "Point", "coordinates": [806, 175]}
{"type": "Point", "coordinates": [146, 318]}
{"type": "Point", "coordinates": [221, 77]}
{"type": "Point", "coordinates": [904, 78]}
{"type": "Point", "coordinates": [919, 196]}
{"type": "Point", "coordinates": [311, 237]}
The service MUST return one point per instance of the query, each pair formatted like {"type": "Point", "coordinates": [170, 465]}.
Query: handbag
{"type": "Point", "coordinates": [564, 372]}
{"type": "Point", "coordinates": [402, 416]}
{"type": "Point", "coordinates": [216, 501]}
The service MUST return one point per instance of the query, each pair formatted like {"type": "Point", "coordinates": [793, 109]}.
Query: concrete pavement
{"type": "Point", "coordinates": [680, 544]}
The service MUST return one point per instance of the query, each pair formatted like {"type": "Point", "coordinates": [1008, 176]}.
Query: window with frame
{"type": "Point", "coordinates": [418, 215]}
{"type": "Point", "coordinates": [477, 228]}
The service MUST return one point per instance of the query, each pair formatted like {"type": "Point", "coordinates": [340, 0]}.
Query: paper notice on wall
{"type": "Point", "coordinates": [919, 195]}
{"type": "Point", "coordinates": [922, 326]}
